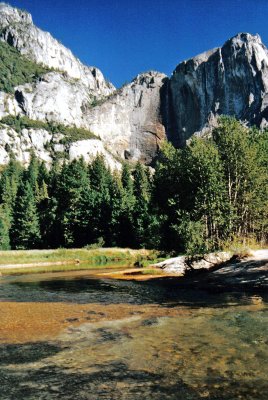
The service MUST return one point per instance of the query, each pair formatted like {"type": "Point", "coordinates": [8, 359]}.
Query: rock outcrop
{"type": "Point", "coordinates": [181, 265]}
{"type": "Point", "coordinates": [60, 96]}
{"type": "Point", "coordinates": [250, 272]}
{"type": "Point", "coordinates": [54, 97]}
{"type": "Point", "coordinates": [18, 30]}
{"type": "Point", "coordinates": [48, 146]}
{"type": "Point", "coordinates": [220, 271]}
{"type": "Point", "coordinates": [231, 80]}
{"type": "Point", "coordinates": [130, 121]}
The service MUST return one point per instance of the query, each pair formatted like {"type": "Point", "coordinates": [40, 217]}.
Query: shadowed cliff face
{"type": "Point", "coordinates": [232, 80]}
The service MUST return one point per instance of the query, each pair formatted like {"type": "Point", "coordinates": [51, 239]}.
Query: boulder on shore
{"type": "Point", "coordinates": [222, 271]}
{"type": "Point", "coordinates": [179, 265]}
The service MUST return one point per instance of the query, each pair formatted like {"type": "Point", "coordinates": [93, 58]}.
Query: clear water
{"type": "Point", "coordinates": [178, 344]}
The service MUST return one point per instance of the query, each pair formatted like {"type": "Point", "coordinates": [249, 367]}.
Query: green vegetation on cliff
{"type": "Point", "coordinates": [17, 69]}
{"type": "Point", "coordinates": [71, 133]}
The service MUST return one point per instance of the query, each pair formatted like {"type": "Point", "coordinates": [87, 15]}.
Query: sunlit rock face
{"type": "Point", "coordinates": [8, 105]}
{"type": "Point", "coordinates": [54, 97]}
{"type": "Point", "coordinates": [231, 80]}
{"type": "Point", "coordinates": [48, 146]}
{"type": "Point", "coordinates": [89, 150]}
{"type": "Point", "coordinates": [18, 30]}
{"type": "Point", "coordinates": [23, 143]}
{"type": "Point", "coordinates": [130, 121]}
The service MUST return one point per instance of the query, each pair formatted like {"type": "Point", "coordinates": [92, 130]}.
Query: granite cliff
{"type": "Point", "coordinates": [128, 123]}
{"type": "Point", "coordinates": [229, 80]}
{"type": "Point", "coordinates": [18, 30]}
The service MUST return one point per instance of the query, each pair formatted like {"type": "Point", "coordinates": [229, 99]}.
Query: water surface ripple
{"type": "Point", "coordinates": [159, 342]}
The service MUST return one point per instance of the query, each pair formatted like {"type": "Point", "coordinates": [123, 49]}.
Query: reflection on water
{"type": "Point", "coordinates": [218, 349]}
{"type": "Point", "coordinates": [83, 288]}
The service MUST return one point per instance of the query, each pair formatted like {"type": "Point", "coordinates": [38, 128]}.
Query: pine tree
{"type": "Point", "coordinates": [33, 172]}
{"type": "Point", "coordinates": [72, 179]}
{"type": "Point", "coordinates": [25, 231]}
{"type": "Point", "coordinates": [49, 221]}
{"type": "Point", "coordinates": [125, 228]}
{"type": "Point", "coordinates": [100, 184]}
{"type": "Point", "coordinates": [116, 207]}
{"type": "Point", "coordinates": [169, 191]}
{"type": "Point", "coordinates": [4, 228]}
{"type": "Point", "coordinates": [9, 183]}
{"type": "Point", "coordinates": [141, 190]}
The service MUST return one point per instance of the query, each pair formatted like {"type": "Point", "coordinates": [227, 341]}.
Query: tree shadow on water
{"type": "Point", "coordinates": [25, 353]}
{"type": "Point", "coordinates": [107, 381]}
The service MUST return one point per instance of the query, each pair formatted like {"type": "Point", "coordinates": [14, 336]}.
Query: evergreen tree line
{"type": "Point", "coordinates": [198, 198]}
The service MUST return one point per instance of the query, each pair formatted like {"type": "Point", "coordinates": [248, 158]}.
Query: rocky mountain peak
{"type": "Point", "coordinates": [18, 30]}
{"type": "Point", "coordinates": [248, 46]}
{"type": "Point", "coordinates": [148, 78]}
{"type": "Point", "coordinates": [128, 123]}
{"type": "Point", "coordinates": [9, 15]}
{"type": "Point", "coordinates": [229, 80]}
{"type": "Point", "coordinates": [244, 37]}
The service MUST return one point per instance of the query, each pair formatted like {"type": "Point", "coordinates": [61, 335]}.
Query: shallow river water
{"type": "Point", "coordinates": [112, 339]}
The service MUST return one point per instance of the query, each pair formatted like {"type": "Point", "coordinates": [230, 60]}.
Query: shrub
{"type": "Point", "coordinates": [16, 69]}
{"type": "Point", "coordinates": [71, 133]}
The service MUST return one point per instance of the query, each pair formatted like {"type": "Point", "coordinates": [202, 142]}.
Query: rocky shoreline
{"type": "Point", "coordinates": [245, 273]}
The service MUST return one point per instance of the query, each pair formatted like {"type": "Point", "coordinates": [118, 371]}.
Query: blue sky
{"type": "Point", "coordinates": [124, 38]}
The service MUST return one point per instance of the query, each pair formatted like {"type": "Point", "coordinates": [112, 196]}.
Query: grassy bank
{"type": "Point", "coordinates": [30, 261]}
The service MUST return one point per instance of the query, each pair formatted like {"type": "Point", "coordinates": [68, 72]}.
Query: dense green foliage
{"type": "Point", "coordinates": [72, 205]}
{"type": "Point", "coordinates": [71, 133]}
{"type": "Point", "coordinates": [213, 190]}
{"type": "Point", "coordinates": [17, 69]}
{"type": "Point", "coordinates": [200, 197]}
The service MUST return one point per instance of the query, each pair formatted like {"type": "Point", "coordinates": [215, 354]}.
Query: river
{"type": "Point", "coordinates": [76, 336]}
